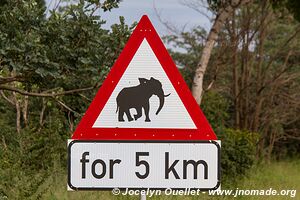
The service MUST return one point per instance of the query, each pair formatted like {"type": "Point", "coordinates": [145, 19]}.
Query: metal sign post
{"type": "Point", "coordinates": [143, 197]}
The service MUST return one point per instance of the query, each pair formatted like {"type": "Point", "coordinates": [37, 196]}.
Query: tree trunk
{"type": "Point", "coordinates": [235, 85]}
{"type": "Point", "coordinates": [18, 113]}
{"type": "Point", "coordinates": [42, 113]}
{"type": "Point", "coordinates": [223, 14]}
{"type": "Point", "coordinates": [258, 99]}
{"type": "Point", "coordinates": [257, 112]}
{"type": "Point", "coordinates": [25, 110]}
{"type": "Point", "coordinates": [271, 146]}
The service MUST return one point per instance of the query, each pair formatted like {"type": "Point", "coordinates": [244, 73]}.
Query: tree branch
{"type": "Point", "coordinates": [6, 98]}
{"type": "Point", "coordinates": [275, 55]}
{"type": "Point", "coordinates": [43, 94]}
{"type": "Point", "coordinates": [170, 27]}
{"type": "Point", "coordinates": [4, 80]}
{"type": "Point", "coordinates": [196, 6]}
{"type": "Point", "coordinates": [66, 107]}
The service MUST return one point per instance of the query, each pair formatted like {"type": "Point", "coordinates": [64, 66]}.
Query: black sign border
{"type": "Point", "coordinates": [142, 141]}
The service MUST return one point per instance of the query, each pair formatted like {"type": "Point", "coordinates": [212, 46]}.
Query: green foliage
{"type": "Point", "coordinates": [31, 157]}
{"type": "Point", "coordinates": [238, 152]}
{"type": "Point", "coordinates": [293, 6]}
{"type": "Point", "coordinates": [215, 108]}
{"type": "Point", "coordinates": [106, 5]}
{"type": "Point", "coordinates": [45, 51]}
{"type": "Point", "coordinates": [40, 3]}
{"type": "Point", "coordinates": [215, 5]}
{"type": "Point", "coordinates": [18, 39]}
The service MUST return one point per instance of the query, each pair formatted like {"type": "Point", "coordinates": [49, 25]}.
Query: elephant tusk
{"type": "Point", "coordinates": [167, 95]}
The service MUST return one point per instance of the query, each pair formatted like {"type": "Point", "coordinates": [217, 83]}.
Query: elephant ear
{"type": "Point", "coordinates": [143, 80]}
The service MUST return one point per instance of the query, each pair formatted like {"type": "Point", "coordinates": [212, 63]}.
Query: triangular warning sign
{"type": "Point", "coordinates": [144, 97]}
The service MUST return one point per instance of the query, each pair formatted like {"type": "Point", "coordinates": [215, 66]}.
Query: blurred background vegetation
{"type": "Point", "coordinates": [52, 66]}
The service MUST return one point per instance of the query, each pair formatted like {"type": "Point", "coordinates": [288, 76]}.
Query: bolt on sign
{"type": "Point", "coordinates": [144, 129]}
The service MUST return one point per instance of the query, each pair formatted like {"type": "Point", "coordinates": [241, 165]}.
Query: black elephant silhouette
{"type": "Point", "coordinates": [138, 97]}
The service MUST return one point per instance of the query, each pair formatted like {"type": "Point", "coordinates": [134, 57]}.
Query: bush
{"type": "Point", "coordinates": [215, 107]}
{"type": "Point", "coordinates": [238, 153]}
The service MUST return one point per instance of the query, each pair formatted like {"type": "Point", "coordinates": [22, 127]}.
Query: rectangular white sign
{"type": "Point", "coordinates": [147, 164]}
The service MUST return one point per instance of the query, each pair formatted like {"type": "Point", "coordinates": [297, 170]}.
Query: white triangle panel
{"type": "Point", "coordinates": [173, 115]}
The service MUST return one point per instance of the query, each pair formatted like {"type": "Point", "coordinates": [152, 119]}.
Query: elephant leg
{"type": "Point", "coordinates": [121, 114]}
{"type": "Point", "coordinates": [128, 115]}
{"type": "Point", "coordinates": [146, 109]}
{"type": "Point", "coordinates": [139, 113]}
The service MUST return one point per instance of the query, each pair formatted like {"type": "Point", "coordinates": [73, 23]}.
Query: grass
{"type": "Point", "coordinates": [277, 175]}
